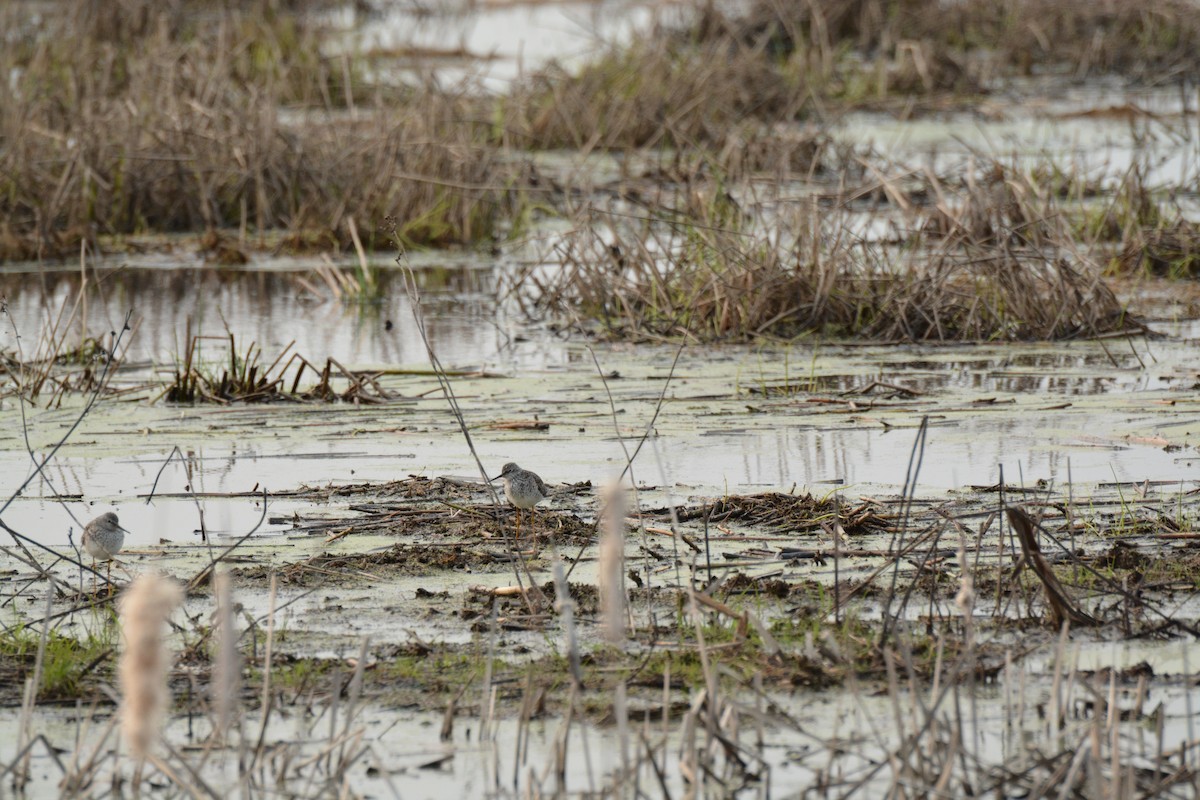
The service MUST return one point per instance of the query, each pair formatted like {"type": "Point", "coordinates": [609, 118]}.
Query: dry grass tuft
{"type": "Point", "coordinates": [648, 95]}
{"type": "Point", "coordinates": [1172, 251]}
{"type": "Point", "coordinates": [138, 117]}
{"type": "Point", "coordinates": [800, 278]}
{"type": "Point", "coordinates": [914, 47]}
{"type": "Point", "coordinates": [67, 357]}
{"type": "Point", "coordinates": [995, 206]}
{"type": "Point", "coordinates": [719, 74]}
{"type": "Point", "coordinates": [148, 118]}
{"type": "Point", "coordinates": [985, 294]}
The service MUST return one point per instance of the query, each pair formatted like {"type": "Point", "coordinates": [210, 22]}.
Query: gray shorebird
{"type": "Point", "coordinates": [103, 538]}
{"type": "Point", "coordinates": [524, 489]}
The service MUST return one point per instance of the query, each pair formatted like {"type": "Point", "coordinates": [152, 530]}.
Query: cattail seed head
{"type": "Point", "coordinates": [145, 660]}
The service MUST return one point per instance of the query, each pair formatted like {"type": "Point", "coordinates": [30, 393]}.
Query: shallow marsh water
{"type": "Point", "coordinates": [733, 420]}
{"type": "Point", "coordinates": [497, 42]}
{"type": "Point", "coordinates": [1099, 133]}
{"type": "Point", "coordinates": [504, 758]}
{"type": "Point", "coordinates": [1107, 421]}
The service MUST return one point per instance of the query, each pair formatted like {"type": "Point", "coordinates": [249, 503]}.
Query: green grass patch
{"type": "Point", "coordinates": [67, 665]}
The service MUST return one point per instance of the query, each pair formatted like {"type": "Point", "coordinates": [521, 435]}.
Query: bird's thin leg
{"type": "Point", "coordinates": [518, 523]}
{"type": "Point", "coordinates": [108, 577]}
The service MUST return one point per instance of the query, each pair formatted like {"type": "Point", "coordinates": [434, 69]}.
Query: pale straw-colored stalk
{"type": "Point", "coordinates": [225, 686]}
{"type": "Point", "coordinates": [612, 566]}
{"type": "Point", "coordinates": [145, 660]}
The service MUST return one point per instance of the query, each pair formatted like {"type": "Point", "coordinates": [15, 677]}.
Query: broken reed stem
{"type": "Point", "coordinates": [706, 666]}
{"type": "Point", "coordinates": [621, 713]}
{"type": "Point", "coordinates": [350, 739]}
{"type": "Point", "coordinates": [564, 606]}
{"type": "Point", "coordinates": [965, 601]}
{"type": "Point", "coordinates": [612, 565]}
{"type": "Point", "coordinates": [224, 691]}
{"type": "Point", "coordinates": [485, 697]}
{"type": "Point", "coordinates": [81, 771]}
{"type": "Point", "coordinates": [414, 297]}
{"type": "Point", "coordinates": [915, 459]}
{"type": "Point", "coordinates": [32, 684]}
{"type": "Point", "coordinates": [267, 697]}
{"type": "Point", "coordinates": [1061, 606]}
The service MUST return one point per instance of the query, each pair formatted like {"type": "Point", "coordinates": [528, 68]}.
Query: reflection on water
{"type": "Point", "coordinates": [270, 308]}
{"type": "Point", "coordinates": [706, 456]}
{"type": "Point", "coordinates": [1060, 373]}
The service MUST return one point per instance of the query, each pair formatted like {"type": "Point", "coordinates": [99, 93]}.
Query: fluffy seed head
{"type": "Point", "coordinates": [145, 660]}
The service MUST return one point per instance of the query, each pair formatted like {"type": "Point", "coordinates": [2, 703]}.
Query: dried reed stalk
{"type": "Point", "coordinates": [1062, 607]}
{"type": "Point", "coordinates": [225, 687]}
{"type": "Point", "coordinates": [612, 565]}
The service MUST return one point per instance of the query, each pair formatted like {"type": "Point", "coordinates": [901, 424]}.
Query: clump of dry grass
{"type": "Point", "coordinates": [156, 119]}
{"type": "Point", "coordinates": [989, 294]}
{"type": "Point", "coordinates": [648, 95]}
{"type": "Point", "coordinates": [1155, 40]}
{"type": "Point", "coordinates": [914, 47]}
{"type": "Point", "coordinates": [67, 357]}
{"type": "Point", "coordinates": [1130, 208]}
{"type": "Point", "coordinates": [992, 206]}
{"type": "Point", "coordinates": [1171, 251]}
{"type": "Point", "coordinates": [699, 82]}
{"type": "Point", "coordinates": [983, 264]}
{"type": "Point", "coordinates": [1146, 225]}
{"type": "Point", "coordinates": [769, 62]}
{"type": "Point", "coordinates": [141, 117]}
{"type": "Point", "coordinates": [142, 670]}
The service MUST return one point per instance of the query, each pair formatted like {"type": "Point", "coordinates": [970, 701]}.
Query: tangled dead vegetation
{"type": "Point", "coordinates": [245, 378]}
{"type": "Point", "coordinates": [1172, 251]}
{"type": "Point", "coordinates": [708, 286]}
{"type": "Point", "coordinates": [789, 513]}
{"type": "Point", "coordinates": [158, 118]}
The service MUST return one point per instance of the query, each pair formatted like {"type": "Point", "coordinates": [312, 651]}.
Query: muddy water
{"type": "Point", "coordinates": [734, 419]}
{"type": "Point", "coordinates": [270, 303]}
{"type": "Point", "coordinates": [1097, 133]}
{"type": "Point", "coordinates": [498, 42]}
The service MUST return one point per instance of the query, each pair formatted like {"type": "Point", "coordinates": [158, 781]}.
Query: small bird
{"type": "Point", "coordinates": [103, 538]}
{"type": "Point", "coordinates": [524, 489]}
